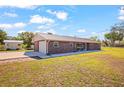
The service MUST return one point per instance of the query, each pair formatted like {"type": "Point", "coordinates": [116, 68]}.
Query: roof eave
{"type": "Point", "coordinates": [73, 41]}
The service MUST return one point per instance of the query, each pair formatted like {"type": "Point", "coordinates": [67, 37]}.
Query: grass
{"type": "Point", "coordinates": [104, 68]}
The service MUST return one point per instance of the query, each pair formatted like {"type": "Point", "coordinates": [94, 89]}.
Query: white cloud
{"type": "Point", "coordinates": [46, 26]}
{"type": "Point", "coordinates": [59, 14]}
{"type": "Point", "coordinates": [43, 27]}
{"type": "Point", "coordinates": [41, 19]}
{"type": "Point", "coordinates": [66, 27]}
{"type": "Point", "coordinates": [26, 6]}
{"type": "Point", "coordinates": [21, 6]}
{"type": "Point", "coordinates": [19, 25]}
{"type": "Point", "coordinates": [81, 30]}
{"type": "Point", "coordinates": [94, 33]}
{"type": "Point", "coordinates": [49, 11]}
{"type": "Point", "coordinates": [121, 18]}
{"type": "Point", "coordinates": [37, 31]}
{"type": "Point", "coordinates": [15, 25]}
{"type": "Point", "coordinates": [10, 14]}
{"type": "Point", "coordinates": [121, 14]}
{"type": "Point", "coordinates": [6, 26]}
{"type": "Point", "coordinates": [121, 11]}
{"type": "Point", "coordinates": [50, 31]}
{"type": "Point", "coordinates": [21, 31]}
{"type": "Point", "coordinates": [40, 27]}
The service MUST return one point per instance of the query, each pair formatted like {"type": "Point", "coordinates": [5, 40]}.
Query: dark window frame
{"type": "Point", "coordinates": [56, 44]}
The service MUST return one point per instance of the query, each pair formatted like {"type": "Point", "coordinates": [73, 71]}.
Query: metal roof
{"type": "Point", "coordinates": [65, 38]}
{"type": "Point", "coordinates": [13, 41]}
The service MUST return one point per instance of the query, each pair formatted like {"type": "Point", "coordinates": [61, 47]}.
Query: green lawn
{"type": "Point", "coordinates": [104, 68]}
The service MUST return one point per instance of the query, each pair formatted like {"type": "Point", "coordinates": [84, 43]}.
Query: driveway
{"type": "Point", "coordinates": [14, 55]}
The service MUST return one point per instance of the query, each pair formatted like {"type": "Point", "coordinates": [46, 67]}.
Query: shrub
{"type": "Point", "coordinates": [24, 46]}
{"type": "Point", "coordinates": [2, 47]}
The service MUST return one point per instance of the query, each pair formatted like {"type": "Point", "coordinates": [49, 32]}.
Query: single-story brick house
{"type": "Point", "coordinates": [12, 44]}
{"type": "Point", "coordinates": [53, 44]}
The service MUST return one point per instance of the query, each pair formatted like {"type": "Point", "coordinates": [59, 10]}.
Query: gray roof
{"type": "Point", "coordinates": [65, 38]}
{"type": "Point", "coordinates": [13, 41]}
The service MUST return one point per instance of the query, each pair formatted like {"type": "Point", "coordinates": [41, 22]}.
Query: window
{"type": "Point", "coordinates": [55, 44]}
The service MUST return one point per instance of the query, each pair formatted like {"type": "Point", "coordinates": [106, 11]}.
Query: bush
{"type": "Point", "coordinates": [2, 47]}
{"type": "Point", "coordinates": [24, 46]}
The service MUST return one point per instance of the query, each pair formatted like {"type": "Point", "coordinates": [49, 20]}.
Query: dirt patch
{"type": "Point", "coordinates": [25, 59]}
{"type": "Point", "coordinates": [114, 62]}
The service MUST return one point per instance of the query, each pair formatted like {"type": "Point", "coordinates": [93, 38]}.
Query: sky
{"type": "Point", "coordinates": [80, 21]}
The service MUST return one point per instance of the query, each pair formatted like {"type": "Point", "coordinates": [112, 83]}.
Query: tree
{"type": "Point", "coordinates": [26, 37]}
{"type": "Point", "coordinates": [3, 36]}
{"type": "Point", "coordinates": [112, 37]}
{"type": "Point", "coordinates": [116, 33]}
{"type": "Point", "coordinates": [11, 38]}
{"type": "Point", "coordinates": [120, 36]}
{"type": "Point", "coordinates": [107, 38]}
{"type": "Point", "coordinates": [120, 29]}
{"type": "Point", "coordinates": [105, 43]}
{"type": "Point", "coordinates": [95, 38]}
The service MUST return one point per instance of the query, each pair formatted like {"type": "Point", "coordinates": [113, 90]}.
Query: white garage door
{"type": "Point", "coordinates": [42, 47]}
{"type": "Point", "coordinates": [12, 45]}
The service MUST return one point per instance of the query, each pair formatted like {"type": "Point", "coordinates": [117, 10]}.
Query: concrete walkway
{"type": "Point", "coordinates": [66, 54]}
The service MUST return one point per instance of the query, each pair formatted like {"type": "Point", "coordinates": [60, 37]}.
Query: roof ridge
{"type": "Point", "coordinates": [64, 36]}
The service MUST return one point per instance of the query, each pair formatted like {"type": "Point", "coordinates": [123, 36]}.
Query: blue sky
{"type": "Point", "coordinates": [80, 21]}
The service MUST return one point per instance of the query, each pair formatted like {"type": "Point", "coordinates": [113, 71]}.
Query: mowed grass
{"type": "Point", "coordinates": [103, 68]}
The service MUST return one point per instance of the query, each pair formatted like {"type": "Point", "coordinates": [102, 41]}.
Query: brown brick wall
{"type": "Point", "coordinates": [64, 47]}
{"type": "Point", "coordinates": [93, 46]}
{"type": "Point", "coordinates": [36, 46]}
